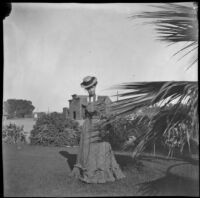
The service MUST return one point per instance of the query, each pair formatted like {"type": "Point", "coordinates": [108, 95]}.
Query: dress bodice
{"type": "Point", "coordinates": [91, 130]}
{"type": "Point", "coordinates": [92, 111]}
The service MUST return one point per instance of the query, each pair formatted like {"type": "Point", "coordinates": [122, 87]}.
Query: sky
{"type": "Point", "coordinates": [50, 48]}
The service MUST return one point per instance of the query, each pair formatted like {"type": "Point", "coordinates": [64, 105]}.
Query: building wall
{"type": "Point", "coordinates": [66, 112]}
{"type": "Point", "coordinates": [74, 106]}
{"type": "Point", "coordinates": [76, 109]}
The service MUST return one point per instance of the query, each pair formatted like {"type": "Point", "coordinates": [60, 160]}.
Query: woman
{"type": "Point", "coordinates": [95, 161]}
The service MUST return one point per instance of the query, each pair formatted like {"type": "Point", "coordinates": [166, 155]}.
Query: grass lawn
{"type": "Point", "coordinates": [43, 171]}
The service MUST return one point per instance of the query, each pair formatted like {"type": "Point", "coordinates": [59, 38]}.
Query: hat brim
{"type": "Point", "coordinates": [94, 82]}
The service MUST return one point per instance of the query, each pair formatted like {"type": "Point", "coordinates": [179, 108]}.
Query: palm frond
{"type": "Point", "coordinates": [145, 94]}
{"type": "Point", "coordinates": [175, 23]}
{"type": "Point", "coordinates": [150, 93]}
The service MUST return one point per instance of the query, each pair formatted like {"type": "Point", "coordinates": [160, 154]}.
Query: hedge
{"type": "Point", "coordinates": [54, 129]}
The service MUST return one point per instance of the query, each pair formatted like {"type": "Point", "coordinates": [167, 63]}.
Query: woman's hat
{"type": "Point", "coordinates": [89, 81]}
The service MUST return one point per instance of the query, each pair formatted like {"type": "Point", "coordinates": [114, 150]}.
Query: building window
{"type": "Point", "coordinates": [74, 115]}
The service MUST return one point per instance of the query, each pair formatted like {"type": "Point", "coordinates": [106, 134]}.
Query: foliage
{"type": "Point", "coordinates": [54, 129]}
{"type": "Point", "coordinates": [159, 131]}
{"type": "Point", "coordinates": [119, 131]}
{"type": "Point", "coordinates": [176, 23]}
{"type": "Point", "coordinates": [176, 137]}
{"type": "Point", "coordinates": [150, 125]}
{"type": "Point", "coordinates": [171, 118]}
{"type": "Point", "coordinates": [173, 125]}
{"type": "Point", "coordinates": [145, 94]}
{"type": "Point", "coordinates": [116, 133]}
{"type": "Point", "coordinates": [13, 134]}
{"type": "Point", "coordinates": [184, 95]}
{"type": "Point", "coordinates": [18, 108]}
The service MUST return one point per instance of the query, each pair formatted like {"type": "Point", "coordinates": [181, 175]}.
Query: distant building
{"type": "Point", "coordinates": [37, 115]}
{"type": "Point", "coordinates": [77, 111]}
{"type": "Point", "coordinates": [66, 112]}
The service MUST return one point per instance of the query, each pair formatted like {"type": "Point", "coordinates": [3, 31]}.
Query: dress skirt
{"type": "Point", "coordinates": [96, 162]}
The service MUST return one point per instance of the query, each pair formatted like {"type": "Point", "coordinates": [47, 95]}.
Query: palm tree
{"type": "Point", "coordinates": [174, 23]}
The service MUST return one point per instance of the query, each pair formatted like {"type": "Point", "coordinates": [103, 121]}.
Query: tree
{"type": "Point", "coordinates": [18, 108]}
{"type": "Point", "coordinates": [174, 23]}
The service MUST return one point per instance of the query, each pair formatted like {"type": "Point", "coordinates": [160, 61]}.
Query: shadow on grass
{"type": "Point", "coordinates": [123, 160]}
{"type": "Point", "coordinates": [170, 184]}
{"type": "Point", "coordinates": [71, 158]}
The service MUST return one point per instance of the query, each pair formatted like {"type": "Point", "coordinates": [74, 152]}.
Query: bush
{"type": "Point", "coordinates": [117, 133]}
{"type": "Point", "coordinates": [54, 129]}
{"type": "Point", "coordinates": [13, 134]}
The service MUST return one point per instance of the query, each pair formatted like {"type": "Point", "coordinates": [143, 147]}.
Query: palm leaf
{"type": "Point", "coordinates": [159, 93]}
{"type": "Point", "coordinates": [150, 93]}
{"type": "Point", "coordinates": [175, 23]}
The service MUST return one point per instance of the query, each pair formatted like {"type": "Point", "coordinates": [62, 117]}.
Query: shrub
{"type": "Point", "coordinates": [54, 129]}
{"type": "Point", "coordinates": [13, 134]}
{"type": "Point", "coordinates": [118, 132]}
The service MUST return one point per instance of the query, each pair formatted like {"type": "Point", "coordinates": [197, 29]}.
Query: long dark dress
{"type": "Point", "coordinates": [95, 160]}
